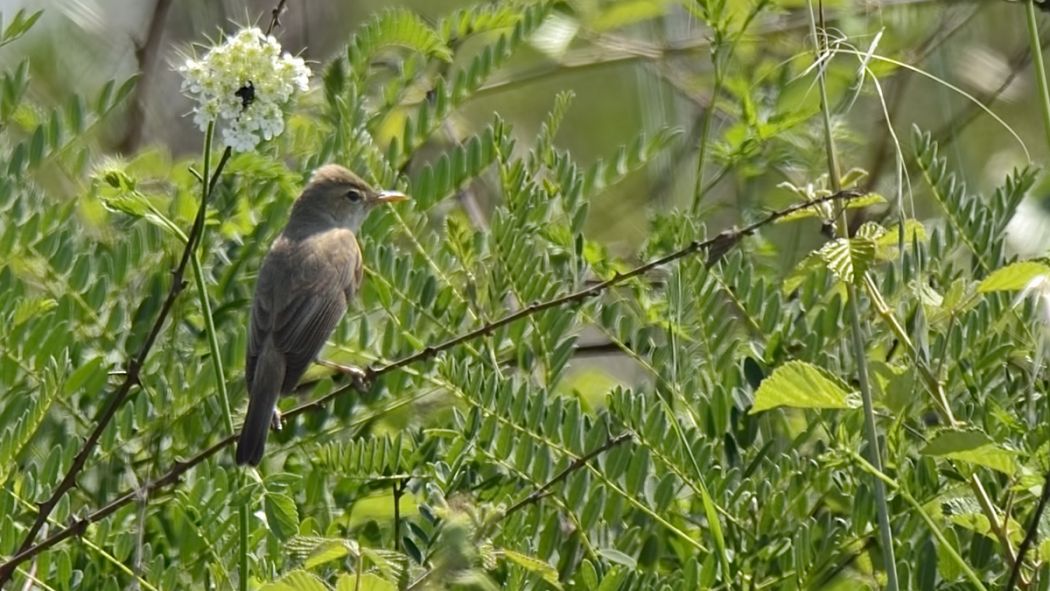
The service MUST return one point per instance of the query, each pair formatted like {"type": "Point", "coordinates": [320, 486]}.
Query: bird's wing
{"type": "Point", "coordinates": [299, 313]}
{"type": "Point", "coordinates": [302, 328]}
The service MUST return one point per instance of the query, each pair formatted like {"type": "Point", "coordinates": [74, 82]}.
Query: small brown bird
{"type": "Point", "coordinates": [310, 274]}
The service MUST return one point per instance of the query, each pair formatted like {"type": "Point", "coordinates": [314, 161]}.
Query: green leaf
{"type": "Point", "coordinates": [398, 27]}
{"type": "Point", "coordinates": [282, 515]}
{"type": "Point", "coordinates": [366, 582]}
{"type": "Point", "coordinates": [627, 12]}
{"type": "Point", "coordinates": [297, 580]}
{"type": "Point", "coordinates": [19, 26]}
{"type": "Point", "coordinates": [894, 386]}
{"type": "Point", "coordinates": [613, 578]}
{"type": "Point", "coordinates": [326, 552]}
{"type": "Point", "coordinates": [614, 555]}
{"type": "Point", "coordinates": [848, 259]}
{"type": "Point", "coordinates": [81, 375]}
{"type": "Point", "coordinates": [887, 241]}
{"type": "Point", "coordinates": [974, 447]}
{"type": "Point", "coordinates": [1013, 276]}
{"type": "Point", "coordinates": [798, 384]}
{"type": "Point", "coordinates": [714, 524]}
{"type": "Point", "coordinates": [31, 307]}
{"type": "Point", "coordinates": [534, 565]}
{"type": "Point", "coordinates": [587, 575]}
{"type": "Point", "coordinates": [15, 436]}
{"type": "Point", "coordinates": [827, 210]}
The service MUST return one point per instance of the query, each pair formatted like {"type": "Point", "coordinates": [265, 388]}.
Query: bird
{"type": "Point", "coordinates": [307, 279]}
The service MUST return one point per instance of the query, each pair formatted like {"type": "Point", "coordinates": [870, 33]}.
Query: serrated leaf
{"type": "Point", "coordinates": [281, 514]}
{"type": "Point", "coordinates": [326, 552]}
{"type": "Point", "coordinates": [974, 447]}
{"type": "Point", "coordinates": [366, 582]}
{"type": "Point", "coordinates": [798, 384]}
{"type": "Point", "coordinates": [1013, 276]}
{"type": "Point", "coordinates": [848, 259]}
{"type": "Point", "coordinates": [297, 580]}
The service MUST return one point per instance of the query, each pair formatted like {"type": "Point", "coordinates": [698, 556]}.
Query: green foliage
{"type": "Point", "coordinates": [972, 222]}
{"type": "Point", "coordinates": [692, 427]}
{"type": "Point", "coordinates": [18, 26]}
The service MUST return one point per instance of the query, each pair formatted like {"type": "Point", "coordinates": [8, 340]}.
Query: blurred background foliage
{"type": "Point", "coordinates": [549, 146]}
{"type": "Point", "coordinates": [632, 64]}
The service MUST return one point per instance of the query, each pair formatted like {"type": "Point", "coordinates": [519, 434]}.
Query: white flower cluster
{"type": "Point", "coordinates": [244, 84]}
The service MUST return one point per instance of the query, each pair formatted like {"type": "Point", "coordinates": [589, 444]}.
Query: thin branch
{"type": "Point", "coordinates": [146, 52]}
{"type": "Point", "coordinates": [1030, 535]}
{"type": "Point", "coordinates": [122, 393]}
{"type": "Point", "coordinates": [951, 130]}
{"type": "Point", "coordinates": [629, 51]}
{"type": "Point", "coordinates": [576, 464]}
{"type": "Point", "coordinates": [275, 18]}
{"type": "Point", "coordinates": [731, 236]}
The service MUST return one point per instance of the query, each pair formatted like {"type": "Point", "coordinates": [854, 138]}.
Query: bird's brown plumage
{"type": "Point", "coordinates": [306, 281]}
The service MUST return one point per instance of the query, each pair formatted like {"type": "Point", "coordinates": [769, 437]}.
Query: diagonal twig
{"type": "Point", "coordinates": [729, 237]}
{"type": "Point", "coordinates": [275, 18]}
{"type": "Point", "coordinates": [576, 464]}
{"type": "Point", "coordinates": [1030, 535]}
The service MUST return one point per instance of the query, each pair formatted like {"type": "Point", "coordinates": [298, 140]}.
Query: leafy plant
{"type": "Point", "coordinates": [827, 392]}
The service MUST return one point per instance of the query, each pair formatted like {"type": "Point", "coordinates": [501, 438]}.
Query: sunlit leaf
{"type": "Point", "coordinates": [798, 384]}
{"type": "Point", "coordinates": [974, 447]}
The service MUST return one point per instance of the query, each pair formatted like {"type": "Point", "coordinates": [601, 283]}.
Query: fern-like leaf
{"type": "Point", "coordinates": [397, 27]}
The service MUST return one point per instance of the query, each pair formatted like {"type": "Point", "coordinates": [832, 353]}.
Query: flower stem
{"type": "Point", "coordinates": [207, 184]}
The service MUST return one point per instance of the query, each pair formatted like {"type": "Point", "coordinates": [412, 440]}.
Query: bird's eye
{"type": "Point", "coordinates": [353, 195]}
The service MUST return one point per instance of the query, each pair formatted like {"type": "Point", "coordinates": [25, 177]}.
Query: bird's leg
{"type": "Point", "coordinates": [362, 378]}
{"type": "Point", "coordinates": [275, 421]}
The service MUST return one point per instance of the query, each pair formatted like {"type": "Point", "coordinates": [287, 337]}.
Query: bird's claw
{"type": "Point", "coordinates": [275, 421]}
{"type": "Point", "coordinates": [361, 378]}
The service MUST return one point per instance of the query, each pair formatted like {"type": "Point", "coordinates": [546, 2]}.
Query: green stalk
{"type": "Point", "coordinates": [213, 348]}
{"type": "Point", "coordinates": [937, 533]}
{"type": "Point", "coordinates": [857, 339]}
{"type": "Point", "coordinates": [1040, 69]}
{"type": "Point", "coordinates": [705, 126]}
{"type": "Point", "coordinates": [213, 342]}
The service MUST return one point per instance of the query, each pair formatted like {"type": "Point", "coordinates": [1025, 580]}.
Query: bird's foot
{"type": "Point", "coordinates": [362, 378]}
{"type": "Point", "coordinates": [275, 421]}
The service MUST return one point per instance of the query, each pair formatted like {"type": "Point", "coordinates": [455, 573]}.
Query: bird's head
{"type": "Point", "coordinates": [335, 192]}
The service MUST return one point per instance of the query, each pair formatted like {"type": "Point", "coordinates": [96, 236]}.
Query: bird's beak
{"type": "Point", "coordinates": [391, 197]}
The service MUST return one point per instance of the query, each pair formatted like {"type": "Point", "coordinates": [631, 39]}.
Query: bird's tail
{"type": "Point", "coordinates": [262, 400]}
